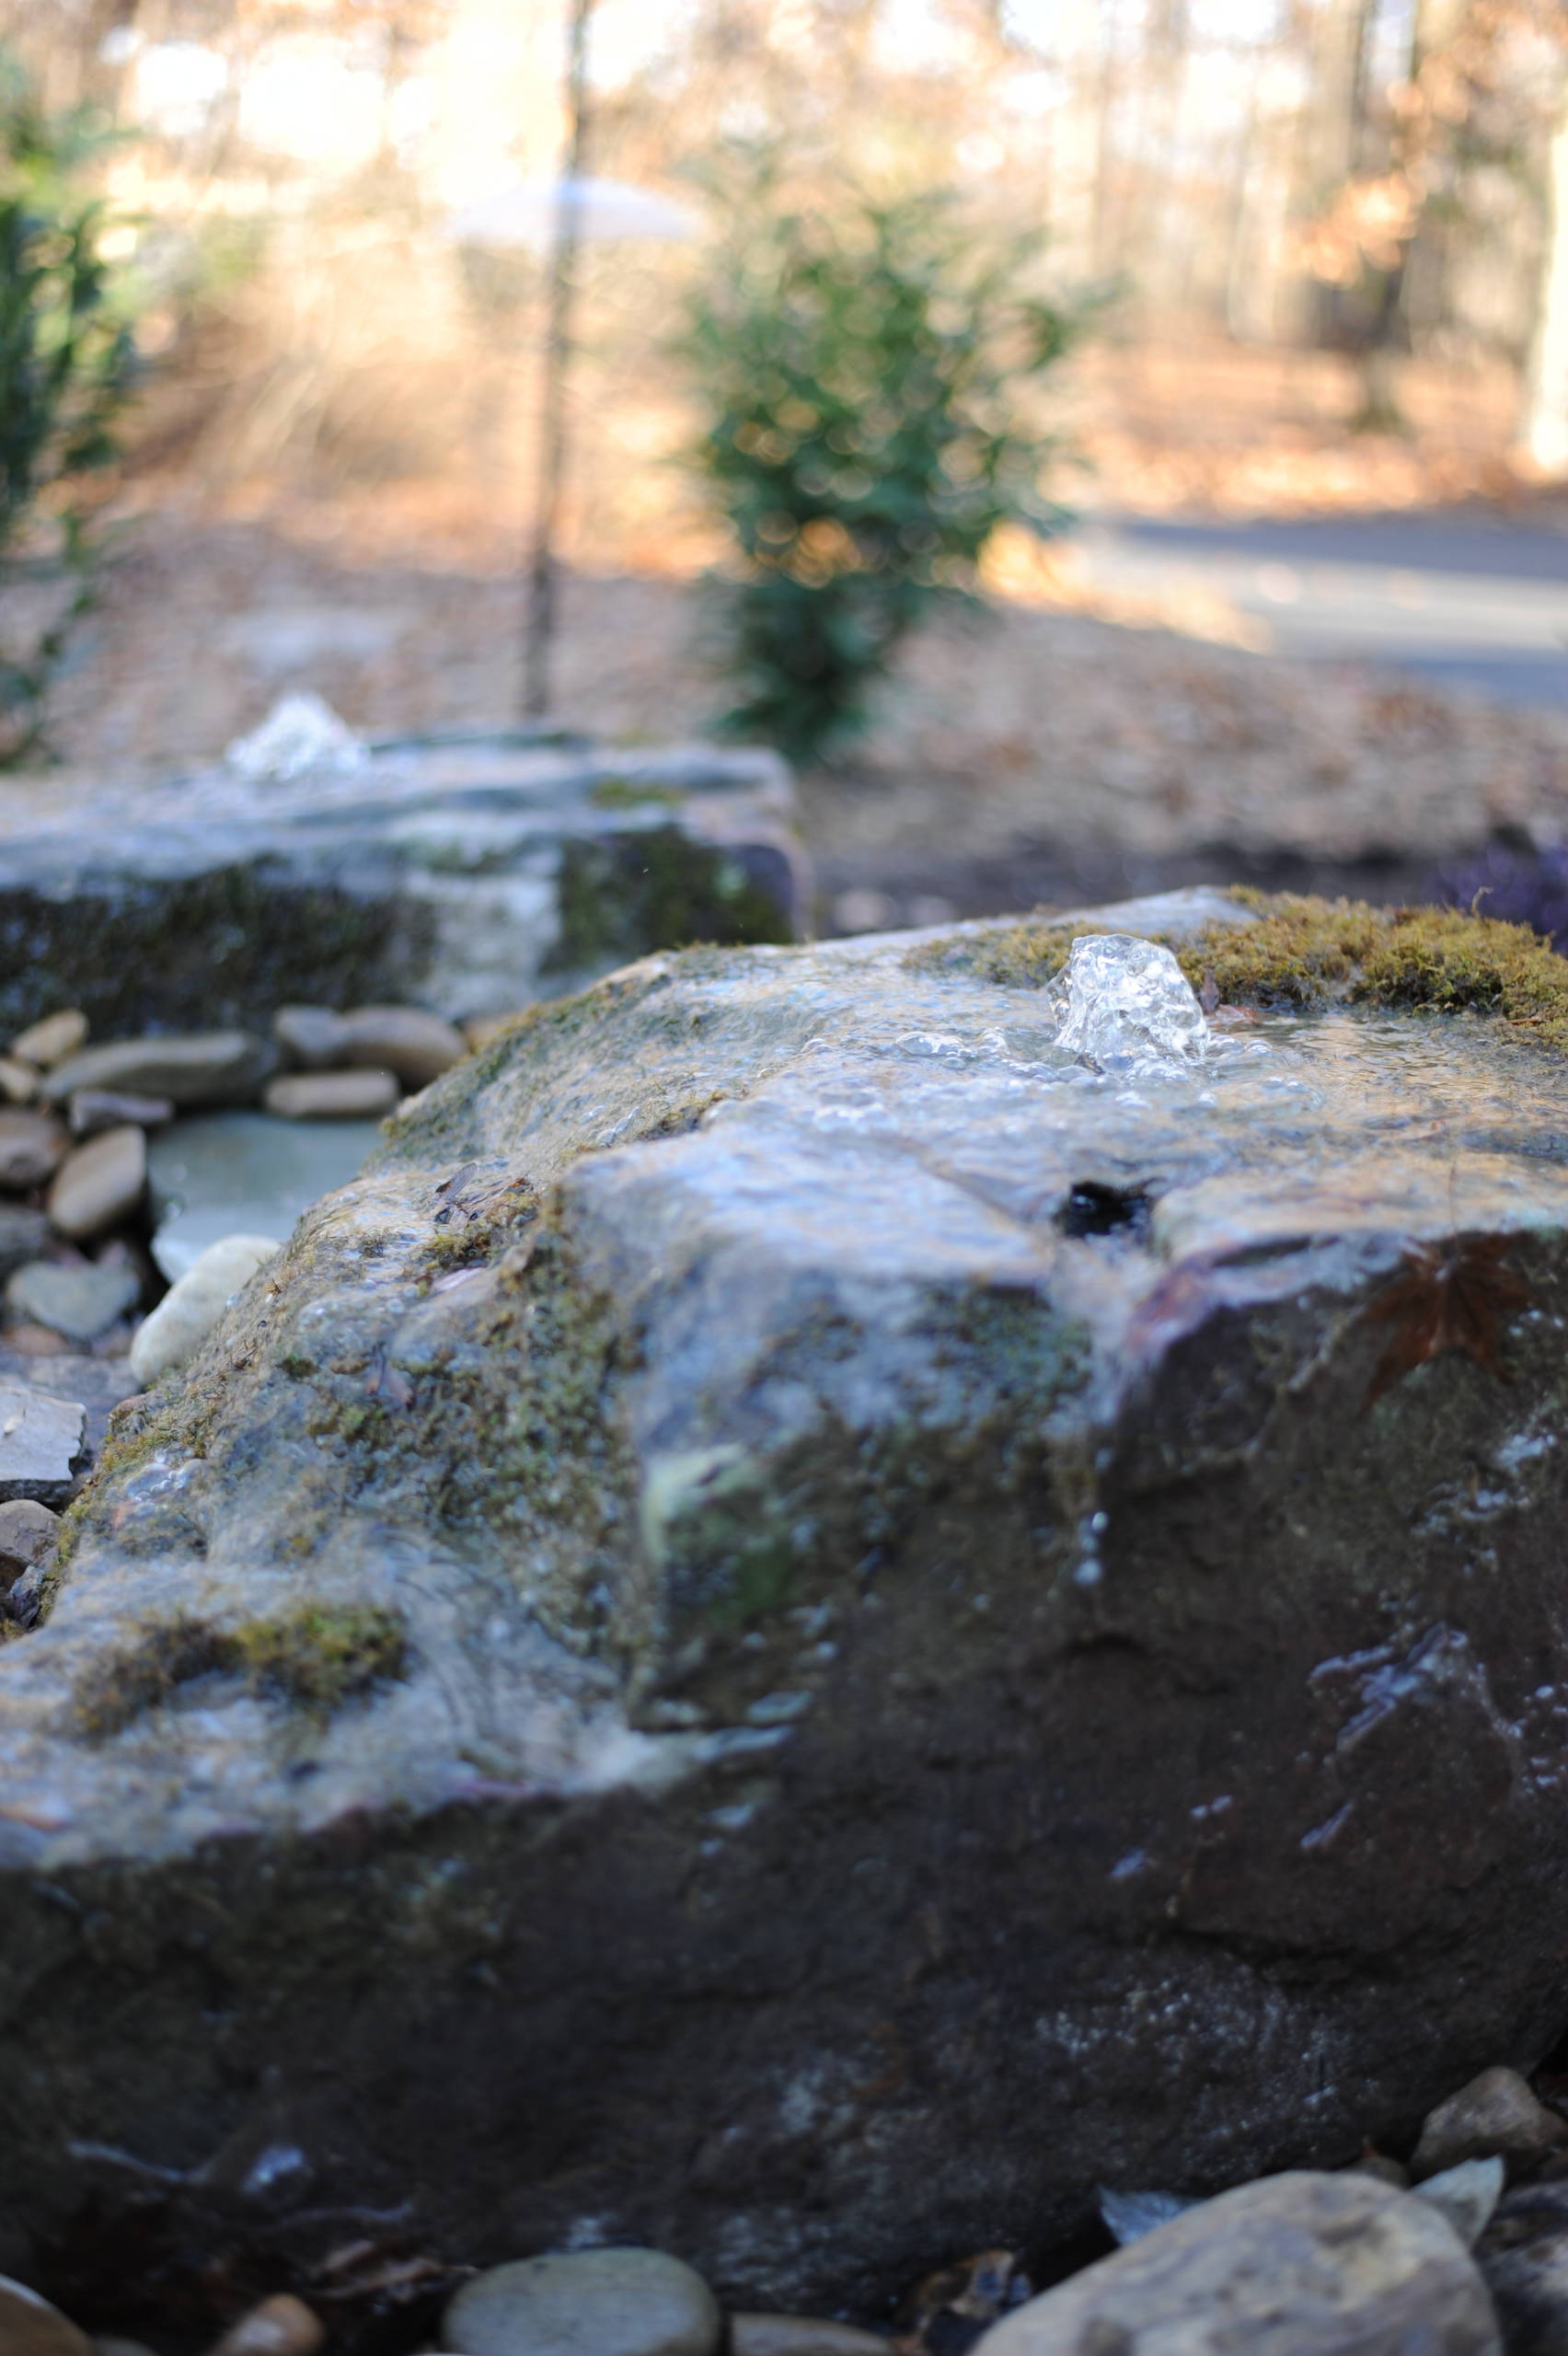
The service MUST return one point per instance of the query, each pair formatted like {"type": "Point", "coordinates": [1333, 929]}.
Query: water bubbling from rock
{"type": "Point", "coordinates": [1125, 1005]}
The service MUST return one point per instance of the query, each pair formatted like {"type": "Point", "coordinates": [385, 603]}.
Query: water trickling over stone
{"type": "Point", "coordinates": [1126, 1006]}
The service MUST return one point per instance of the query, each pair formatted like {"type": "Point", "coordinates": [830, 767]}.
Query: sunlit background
{"type": "Point", "coordinates": [1319, 241]}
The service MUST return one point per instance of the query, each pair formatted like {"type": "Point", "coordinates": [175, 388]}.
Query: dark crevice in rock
{"type": "Point", "coordinates": [1092, 1210]}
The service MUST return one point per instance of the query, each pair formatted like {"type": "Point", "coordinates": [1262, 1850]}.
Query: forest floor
{"type": "Point", "coordinates": [1078, 739]}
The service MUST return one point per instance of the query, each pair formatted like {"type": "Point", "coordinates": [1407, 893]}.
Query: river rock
{"type": "Point", "coordinates": [18, 1082]}
{"type": "Point", "coordinates": [761, 2335]}
{"type": "Point", "coordinates": [207, 1068]}
{"type": "Point", "coordinates": [31, 2326]}
{"type": "Point", "coordinates": [1466, 2194]}
{"type": "Point", "coordinates": [100, 1184]}
{"type": "Point", "coordinates": [416, 1045]}
{"type": "Point", "coordinates": [797, 1631]}
{"type": "Point", "coordinates": [281, 2326]}
{"type": "Point", "coordinates": [189, 1310]}
{"type": "Point", "coordinates": [1496, 2112]}
{"type": "Point", "coordinates": [92, 1110]}
{"type": "Point", "coordinates": [246, 1173]}
{"type": "Point", "coordinates": [615, 2302]}
{"type": "Point", "coordinates": [332, 1095]}
{"type": "Point", "coordinates": [314, 1037]}
{"type": "Point", "coordinates": [1298, 2265]}
{"type": "Point", "coordinates": [32, 1149]}
{"type": "Point", "coordinates": [24, 1233]}
{"type": "Point", "coordinates": [44, 1044]}
{"type": "Point", "coordinates": [96, 1385]}
{"type": "Point", "coordinates": [80, 1303]}
{"type": "Point", "coordinates": [403, 1039]}
{"type": "Point", "coordinates": [28, 1534]}
{"type": "Point", "coordinates": [41, 1443]}
{"type": "Point", "coordinates": [1523, 2260]}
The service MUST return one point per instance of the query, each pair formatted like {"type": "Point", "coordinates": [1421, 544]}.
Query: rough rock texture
{"type": "Point", "coordinates": [1298, 2265]}
{"type": "Point", "coordinates": [799, 1631]}
{"type": "Point", "coordinates": [468, 874]}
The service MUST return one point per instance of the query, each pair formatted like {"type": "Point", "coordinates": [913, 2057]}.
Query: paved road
{"type": "Point", "coordinates": [1480, 605]}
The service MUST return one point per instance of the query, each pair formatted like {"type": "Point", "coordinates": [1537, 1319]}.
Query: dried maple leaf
{"type": "Point", "coordinates": [1455, 1295]}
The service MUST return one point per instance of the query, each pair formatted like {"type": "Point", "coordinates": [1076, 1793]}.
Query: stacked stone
{"type": "Point", "coordinates": [82, 1304]}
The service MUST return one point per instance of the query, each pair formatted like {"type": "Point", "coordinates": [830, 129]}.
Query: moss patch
{"type": "Point", "coordinates": [629, 894]}
{"type": "Point", "coordinates": [194, 952]}
{"type": "Point", "coordinates": [314, 1658]}
{"type": "Point", "coordinates": [625, 794]}
{"type": "Point", "coordinates": [1302, 954]}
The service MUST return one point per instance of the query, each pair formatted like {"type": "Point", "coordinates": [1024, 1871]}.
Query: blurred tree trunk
{"type": "Point", "coordinates": [1545, 423]}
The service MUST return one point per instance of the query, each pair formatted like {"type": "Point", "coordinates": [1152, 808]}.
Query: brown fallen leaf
{"type": "Point", "coordinates": [1457, 1295]}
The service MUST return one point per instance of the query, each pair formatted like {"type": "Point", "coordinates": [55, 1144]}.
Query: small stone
{"type": "Point", "coordinates": [481, 1029]}
{"type": "Point", "coordinates": [92, 1110]}
{"type": "Point", "coordinates": [23, 1235]}
{"type": "Point", "coordinates": [278, 2326]}
{"type": "Point", "coordinates": [1384, 2170]}
{"type": "Point", "coordinates": [100, 1184]}
{"type": "Point", "coordinates": [1129, 2215]}
{"type": "Point", "coordinates": [311, 1036]}
{"type": "Point", "coordinates": [32, 1146]}
{"type": "Point", "coordinates": [35, 1341]}
{"type": "Point", "coordinates": [81, 1304]}
{"type": "Point", "coordinates": [199, 1067]}
{"type": "Point", "coordinates": [416, 1047]}
{"type": "Point", "coordinates": [171, 1336]}
{"type": "Point", "coordinates": [29, 1535]}
{"type": "Point", "coordinates": [332, 1095]}
{"type": "Point", "coordinates": [44, 1044]}
{"type": "Point", "coordinates": [41, 1441]}
{"type": "Point", "coordinates": [1495, 2112]}
{"type": "Point", "coordinates": [31, 2326]}
{"type": "Point", "coordinates": [1297, 2265]}
{"type": "Point", "coordinates": [1466, 2194]}
{"type": "Point", "coordinates": [613, 2301]}
{"type": "Point", "coordinates": [1529, 2291]}
{"type": "Point", "coordinates": [799, 2336]}
{"type": "Point", "coordinates": [18, 1083]}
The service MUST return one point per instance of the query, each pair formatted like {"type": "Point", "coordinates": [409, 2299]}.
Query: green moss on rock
{"type": "Point", "coordinates": [314, 1658]}
{"type": "Point", "coordinates": [1301, 954]}
{"type": "Point", "coordinates": [624, 895]}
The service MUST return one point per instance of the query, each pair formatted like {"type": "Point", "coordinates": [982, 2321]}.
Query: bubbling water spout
{"type": "Point", "coordinates": [1125, 1005]}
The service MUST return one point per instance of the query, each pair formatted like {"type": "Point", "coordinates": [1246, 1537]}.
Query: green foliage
{"type": "Point", "coordinates": [866, 367]}
{"type": "Point", "coordinates": [65, 357]}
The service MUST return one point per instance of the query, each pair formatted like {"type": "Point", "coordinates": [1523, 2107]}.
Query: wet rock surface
{"type": "Point", "coordinates": [845, 1614]}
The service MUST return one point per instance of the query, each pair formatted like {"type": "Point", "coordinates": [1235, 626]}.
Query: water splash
{"type": "Point", "coordinates": [300, 733]}
{"type": "Point", "coordinates": [1126, 1006]}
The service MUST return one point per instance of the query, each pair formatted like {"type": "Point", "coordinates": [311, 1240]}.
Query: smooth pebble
{"type": "Point", "coordinates": [171, 1336]}
{"type": "Point", "coordinates": [585, 2302]}
{"type": "Point", "coordinates": [100, 1183]}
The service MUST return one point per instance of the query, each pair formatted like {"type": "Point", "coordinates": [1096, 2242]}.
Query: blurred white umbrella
{"type": "Point", "coordinates": [528, 212]}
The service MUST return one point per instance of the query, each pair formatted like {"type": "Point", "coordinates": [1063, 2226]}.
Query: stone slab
{"type": "Point", "coordinates": [471, 874]}
{"type": "Point", "coordinates": [41, 1443]}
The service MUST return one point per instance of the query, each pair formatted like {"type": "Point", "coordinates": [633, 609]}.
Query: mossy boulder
{"type": "Point", "coordinates": [470, 876]}
{"type": "Point", "coordinates": [797, 1631]}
